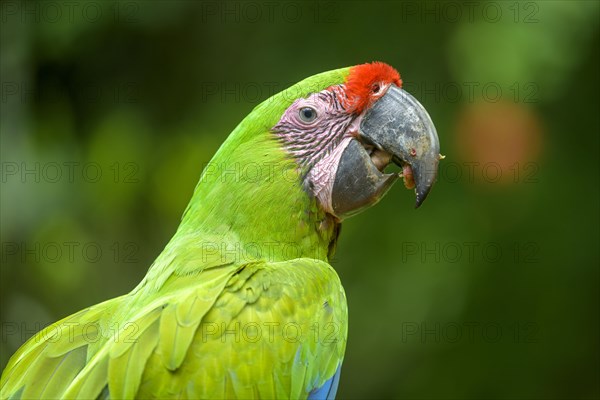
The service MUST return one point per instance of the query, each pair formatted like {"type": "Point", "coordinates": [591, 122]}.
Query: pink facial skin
{"type": "Point", "coordinates": [317, 144]}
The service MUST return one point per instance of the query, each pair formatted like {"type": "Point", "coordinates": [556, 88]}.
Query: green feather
{"type": "Point", "coordinates": [125, 369]}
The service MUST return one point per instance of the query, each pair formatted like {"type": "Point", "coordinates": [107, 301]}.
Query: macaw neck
{"type": "Point", "coordinates": [249, 205]}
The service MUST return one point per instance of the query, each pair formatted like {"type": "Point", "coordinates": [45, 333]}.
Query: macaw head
{"type": "Point", "coordinates": [343, 136]}
{"type": "Point", "coordinates": [310, 156]}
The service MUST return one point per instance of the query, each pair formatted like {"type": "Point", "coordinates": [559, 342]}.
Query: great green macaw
{"type": "Point", "coordinates": [242, 302]}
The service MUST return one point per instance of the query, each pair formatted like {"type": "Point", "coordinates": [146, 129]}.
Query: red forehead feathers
{"type": "Point", "coordinates": [362, 83]}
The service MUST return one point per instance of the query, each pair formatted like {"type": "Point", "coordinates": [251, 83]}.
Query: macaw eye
{"type": "Point", "coordinates": [307, 114]}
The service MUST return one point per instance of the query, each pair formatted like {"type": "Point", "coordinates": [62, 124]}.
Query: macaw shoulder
{"type": "Point", "coordinates": [274, 330]}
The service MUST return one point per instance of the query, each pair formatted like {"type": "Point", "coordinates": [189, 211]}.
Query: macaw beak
{"type": "Point", "coordinates": [398, 127]}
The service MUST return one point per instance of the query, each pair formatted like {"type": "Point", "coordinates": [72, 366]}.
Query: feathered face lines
{"type": "Point", "coordinates": [312, 127]}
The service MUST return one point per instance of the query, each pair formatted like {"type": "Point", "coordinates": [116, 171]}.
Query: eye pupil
{"type": "Point", "coordinates": [308, 114]}
{"type": "Point", "coordinates": [376, 88]}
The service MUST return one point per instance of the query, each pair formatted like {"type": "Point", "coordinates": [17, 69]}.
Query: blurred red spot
{"type": "Point", "coordinates": [498, 140]}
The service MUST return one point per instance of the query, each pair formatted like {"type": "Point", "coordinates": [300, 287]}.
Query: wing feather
{"type": "Point", "coordinates": [126, 367]}
{"type": "Point", "coordinates": [53, 371]}
{"type": "Point", "coordinates": [50, 360]}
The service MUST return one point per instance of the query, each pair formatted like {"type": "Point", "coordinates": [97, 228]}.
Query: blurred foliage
{"type": "Point", "coordinates": [143, 93]}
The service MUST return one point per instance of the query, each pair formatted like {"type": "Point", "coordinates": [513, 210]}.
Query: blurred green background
{"type": "Point", "coordinates": [490, 290]}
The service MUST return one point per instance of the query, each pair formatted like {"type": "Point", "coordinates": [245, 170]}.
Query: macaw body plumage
{"type": "Point", "coordinates": [242, 302]}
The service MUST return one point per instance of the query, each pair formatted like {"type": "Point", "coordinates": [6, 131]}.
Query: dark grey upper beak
{"type": "Point", "coordinates": [398, 124]}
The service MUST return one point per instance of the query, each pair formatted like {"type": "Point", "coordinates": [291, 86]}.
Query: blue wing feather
{"type": "Point", "coordinates": [329, 388]}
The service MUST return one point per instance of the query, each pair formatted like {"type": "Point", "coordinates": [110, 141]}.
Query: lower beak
{"type": "Point", "coordinates": [399, 125]}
